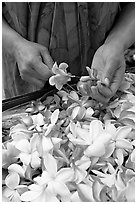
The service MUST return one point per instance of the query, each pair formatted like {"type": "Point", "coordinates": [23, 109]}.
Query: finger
{"type": "Point", "coordinates": [47, 58]}
{"type": "Point", "coordinates": [104, 90]}
{"type": "Point", "coordinates": [34, 81]}
{"type": "Point", "coordinates": [109, 70]}
{"type": "Point", "coordinates": [118, 78]}
{"type": "Point", "coordinates": [41, 70]}
{"type": "Point", "coordinates": [96, 95]}
{"type": "Point", "coordinates": [116, 81]}
{"type": "Point", "coordinates": [29, 74]}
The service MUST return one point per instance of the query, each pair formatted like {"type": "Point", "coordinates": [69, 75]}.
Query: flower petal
{"type": "Point", "coordinates": [110, 128]}
{"type": "Point", "coordinates": [130, 190]}
{"type": "Point", "coordinates": [38, 119]}
{"type": "Point", "coordinates": [124, 144]}
{"type": "Point", "coordinates": [16, 168]}
{"type": "Point", "coordinates": [46, 144]}
{"type": "Point", "coordinates": [30, 195]}
{"type": "Point", "coordinates": [64, 175]}
{"type": "Point", "coordinates": [85, 192]}
{"type": "Point", "coordinates": [80, 175]}
{"type": "Point", "coordinates": [55, 68]}
{"type": "Point", "coordinates": [75, 141]}
{"type": "Point", "coordinates": [61, 189]}
{"type": "Point", "coordinates": [17, 136]}
{"type": "Point", "coordinates": [123, 132]}
{"type": "Point", "coordinates": [95, 128]}
{"type": "Point", "coordinates": [75, 112]}
{"type": "Point", "coordinates": [12, 150]}
{"type": "Point", "coordinates": [75, 197]}
{"type": "Point", "coordinates": [96, 150]}
{"type": "Point", "coordinates": [104, 137]}
{"type": "Point", "coordinates": [44, 179]}
{"type": "Point", "coordinates": [63, 66]}
{"type": "Point", "coordinates": [109, 180]}
{"type": "Point", "coordinates": [133, 156]}
{"type": "Point", "coordinates": [12, 180]}
{"type": "Point", "coordinates": [49, 128]}
{"type": "Point", "coordinates": [18, 128]}
{"type": "Point", "coordinates": [23, 146]}
{"type": "Point", "coordinates": [74, 95]}
{"type": "Point", "coordinates": [35, 160]}
{"type": "Point", "coordinates": [52, 80]}
{"type": "Point", "coordinates": [25, 158]}
{"type": "Point", "coordinates": [109, 150]}
{"type": "Point", "coordinates": [7, 192]}
{"type": "Point", "coordinates": [97, 187]}
{"type": "Point", "coordinates": [81, 113]}
{"type": "Point", "coordinates": [83, 134]}
{"type": "Point", "coordinates": [50, 164]}
{"type": "Point", "coordinates": [54, 116]}
{"type": "Point", "coordinates": [56, 140]}
{"type": "Point", "coordinates": [83, 163]}
{"type": "Point", "coordinates": [35, 187]}
{"type": "Point", "coordinates": [119, 182]}
{"type": "Point", "coordinates": [15, 197]}
{"type": "Point", "coordinates": [120, 156]}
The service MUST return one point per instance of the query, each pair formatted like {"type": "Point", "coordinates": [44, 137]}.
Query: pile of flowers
{"type": "Point", "coordinates": [70, 148]}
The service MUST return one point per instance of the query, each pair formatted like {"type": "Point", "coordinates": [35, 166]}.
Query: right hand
{"type": "Point", "coordinates": [110, 65]}
{"type": "Point", "coordinates": [34, 62]}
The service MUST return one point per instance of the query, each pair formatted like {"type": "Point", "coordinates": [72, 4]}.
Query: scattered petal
{"type": "Point", "coordinates": [85, 192]}
{"type": "Point", "coordinates": [123, 143]}
{"type": "Point", "coordinates": [12, 180]}
{"type": "Point", "coordinates": [54, 116]}
{"type": "Point", "coordinates": [50, 164]}
{"type": "Point", "coordinates": [16, 168]}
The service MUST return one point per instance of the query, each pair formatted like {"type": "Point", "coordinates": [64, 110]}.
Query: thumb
{"type": "Point", "coordinates": [109, 72]}
{"type": "Point", "coordinates": [47, 58]}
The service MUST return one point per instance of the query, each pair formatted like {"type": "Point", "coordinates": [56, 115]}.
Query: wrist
{"type": "Point", "coordinates": [17, 44]}
{"type": "Point", "coordinates": [115, 43]}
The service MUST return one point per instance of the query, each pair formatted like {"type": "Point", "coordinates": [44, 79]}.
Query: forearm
{"type": "Point", "coordinates": [9, 37]}
{"type": "Point", "coordinates": [123, 32]}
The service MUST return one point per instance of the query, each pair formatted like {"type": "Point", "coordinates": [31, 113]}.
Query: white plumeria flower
{"type": "Point", "coordinates": [80, 166]}
{"type": "Point", "coordinates": [45, 141]}
{"type": "Point", "coordinates": [38, 119]}
{"type": "Point", "coordinates": [19, 132]}
{"type": "Point", "coordinates": [61, 76]}
{"type": "Point", "coordinates": [112, 178]}
{"type": "Point", "coordinates": [28, 153]}
{"type": "Point", "coordinates": [51, 182]}
{"type": "Point", "coordinates": [96, 138]}
{"type": "Point", "coordinates": [12, 181]}
{"type": "Point", "coordinates": [78, 135]}
{"type": "Point", "coordinates": [99, 139]}
{"type": "Point", "coordinates": [9, 155]}
{"type": "Point", "coordinates": [119, 141]}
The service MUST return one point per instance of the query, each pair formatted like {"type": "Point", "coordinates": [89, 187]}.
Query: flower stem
{"type": "Point", "coordinates": [73, 89]}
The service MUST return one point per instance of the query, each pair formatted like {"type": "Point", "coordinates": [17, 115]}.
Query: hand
{"type": "Point", "coordinates": [110, 65]}
{"type": "Point", "coordinates": [34, 62]}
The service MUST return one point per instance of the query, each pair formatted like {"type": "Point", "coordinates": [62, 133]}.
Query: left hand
{"type": "Point", "coordinates": [110, 65]}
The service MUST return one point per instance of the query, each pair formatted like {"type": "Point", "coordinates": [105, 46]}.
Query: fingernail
{"type": "Point", "coordinates": [106, 81]}
{"type": "Point", "coordinates": [95, 73]}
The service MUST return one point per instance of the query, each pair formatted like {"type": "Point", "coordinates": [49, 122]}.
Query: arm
{"type": "Point", "coordinates": [9, 37]}
{"type": "Point", "coordinates": [123, 32]}
{"type": "Point", "coordinates": [33, 60]}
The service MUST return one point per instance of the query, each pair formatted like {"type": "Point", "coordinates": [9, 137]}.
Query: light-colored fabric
{"type": "Point", "coordinates": [71, 31]}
